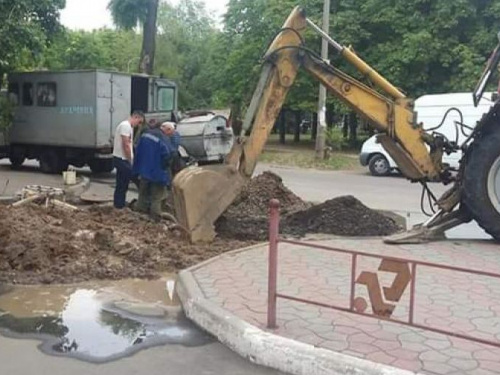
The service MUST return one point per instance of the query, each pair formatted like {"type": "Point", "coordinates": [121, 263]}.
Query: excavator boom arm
{"type": "Point", "coordinates": [392, 114]}
{"type": "Point", "coordinates": [405, 141]}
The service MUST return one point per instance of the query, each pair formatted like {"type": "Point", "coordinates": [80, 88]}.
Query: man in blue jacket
{"type": "Point", "coordinates": [151, 164]}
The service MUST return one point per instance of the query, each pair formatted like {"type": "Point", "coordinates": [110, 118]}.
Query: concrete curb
{"type": "Point", "coordinates": [264, 348]}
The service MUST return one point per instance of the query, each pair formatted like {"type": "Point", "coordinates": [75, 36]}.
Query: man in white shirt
{"type": "Point", "coordinates": [123, 155]}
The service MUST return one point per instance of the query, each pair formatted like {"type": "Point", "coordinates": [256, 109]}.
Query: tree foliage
{"type": "Point", "coordinates": [186, 45]}
{"type": "Point", "coordinates": [25, 28]}
{"type": "Point", "coordinates": [104, 48]}
{"type": "Point", "coordinates": [421, 46]}
{"type": "Point", "coordinates": [127, 14]}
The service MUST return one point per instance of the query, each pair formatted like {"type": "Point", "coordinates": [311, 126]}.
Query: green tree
{"type": "Point", "coordinates": [104, 48]}
{"type": "Point", "coordinates": [249, 26]}
{"type": "Point", "coordinates": [421, 46]}
{"type": "Point", "coordinates": [26, 26]}
{"type": "Point", "coordinates": [186, 45]}
{"type": "Point", "coordinates": [127, 14]}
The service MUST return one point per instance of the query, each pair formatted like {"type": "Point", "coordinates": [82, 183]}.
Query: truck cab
{"type": "Point", "coordinates": [156, 97]}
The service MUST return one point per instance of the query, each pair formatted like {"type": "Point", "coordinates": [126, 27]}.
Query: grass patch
{"type": "Point", "coordinates": [306, 159]}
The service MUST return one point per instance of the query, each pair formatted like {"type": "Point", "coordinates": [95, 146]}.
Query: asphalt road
{"type": "Point", "coordinates": [393, 193]}
{"type": "Point", "coordinates": [21, 357]}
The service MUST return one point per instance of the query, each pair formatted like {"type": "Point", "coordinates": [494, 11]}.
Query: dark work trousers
{"type": "Point", "coordinates": [123, 176]}
{"type": "Point", "coordinates": [151, 196]}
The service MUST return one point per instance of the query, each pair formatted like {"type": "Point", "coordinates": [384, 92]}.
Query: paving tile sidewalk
{"type": "Point", "coordinates": [463, 303]}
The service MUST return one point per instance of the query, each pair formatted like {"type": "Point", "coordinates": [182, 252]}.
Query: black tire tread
{"type": "Point", "coordinates": [16, 161]}
{"type": "Point", "coordinates": [101, 166]}
{"type": "Point", "coordinates": [484, 151]}
{"type": "Point", "coordinates": [53, 162]}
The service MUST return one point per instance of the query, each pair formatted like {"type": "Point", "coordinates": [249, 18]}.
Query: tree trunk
{"type": "Point", "coordinates": [314, 130]}
{"type": "Point", "coordinates": [353, 126]}
{"type": "Point", "coordinates": [345, 126]}
{"type": "Point", "coordinates": [282, 127]}
{"type": "Point", "coordinates": [146, 64]}
{"type": "Point", "coordinates": [298, 117]}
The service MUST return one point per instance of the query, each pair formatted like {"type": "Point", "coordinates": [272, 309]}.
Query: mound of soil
{"type": "Point", "coordinates": [247, 217]}
{"type": "Point", "coordinates": [255, 196]}
{"type": "Point", "coordinates": [53, 245]}
{"type": "Point", "coordinates": [345, 216]}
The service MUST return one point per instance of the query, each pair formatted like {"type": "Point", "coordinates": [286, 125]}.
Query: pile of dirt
{"type": "Point", "coordinates": [54, 245]}
{"type": "Point", "coordinates": [57, 245]}
{"type": "Point", "coordinates": [344, 216]}
{"type": "Point", "coordinates": [255, 196]}
{"type": "Point", "coordinates": [247, 217]}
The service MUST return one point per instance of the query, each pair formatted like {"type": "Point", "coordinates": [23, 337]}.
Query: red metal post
{"type": "Point", "coordinates": [354, 261]}
{"type": "Point", "coordinates": [412, 292]}
{"type": "Point", "coordinates": [274, 223]}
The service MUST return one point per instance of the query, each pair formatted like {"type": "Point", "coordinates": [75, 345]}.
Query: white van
{"type": "Point", "coordinates": [430, 111]}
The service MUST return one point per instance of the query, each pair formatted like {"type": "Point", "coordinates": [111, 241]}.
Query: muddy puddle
{"type": "Point", "coordinates": [98, 322]}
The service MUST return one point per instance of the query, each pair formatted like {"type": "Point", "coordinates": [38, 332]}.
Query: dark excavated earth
{"type": "Point", "coordinates": [41, 244]}
{"type": "Point", "coordinates": [247, 217]}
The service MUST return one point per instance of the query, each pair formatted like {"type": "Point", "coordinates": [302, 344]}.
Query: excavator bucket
{"type": "Point", "coordinates": [201, 195]}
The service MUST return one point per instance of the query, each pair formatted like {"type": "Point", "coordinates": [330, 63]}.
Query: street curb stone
{"type": "Point", "coordinates": [265, 348]}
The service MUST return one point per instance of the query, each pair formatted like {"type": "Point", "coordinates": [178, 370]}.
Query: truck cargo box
{"type": "Point", "coordinates": [74, 108]}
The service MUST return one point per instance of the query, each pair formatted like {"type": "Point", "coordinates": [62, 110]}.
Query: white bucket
{"type": "Point", "coordinates": [69, 177]}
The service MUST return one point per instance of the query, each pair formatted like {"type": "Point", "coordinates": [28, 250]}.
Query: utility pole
{"type": "Point", "coordinates": [321, 132]}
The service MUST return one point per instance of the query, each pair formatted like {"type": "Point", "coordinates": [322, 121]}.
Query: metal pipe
{"type": "Point", "coordinates": [321, 123]}
{"type": "Point", "coordinates": [359, 64]}
{"type": "Point", "coordinates": [274, 220]}
{"type": "Point", "coordinates": [411, 319]}
{"type": "Point", "coordinates": [371, 74]}
{"type": "Point", "coordinates": [325, 36]}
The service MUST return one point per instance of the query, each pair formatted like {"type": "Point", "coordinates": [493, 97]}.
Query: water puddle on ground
{"type": "Point", "coordinates": [98, 322]}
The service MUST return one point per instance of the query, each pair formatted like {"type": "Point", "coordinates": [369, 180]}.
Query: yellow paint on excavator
{"type": "Point", "coordinates": [201, 195]}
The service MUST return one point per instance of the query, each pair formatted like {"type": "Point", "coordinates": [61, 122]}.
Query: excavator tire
{"type": "Point", "coordinates": [481, 181]}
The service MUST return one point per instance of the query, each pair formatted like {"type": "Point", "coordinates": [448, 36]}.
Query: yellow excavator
{"type": "Point", "coordinates": [201, 195]}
